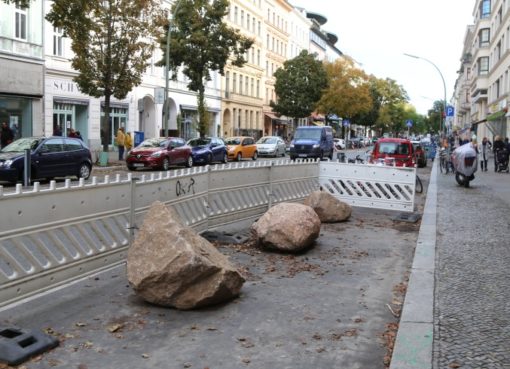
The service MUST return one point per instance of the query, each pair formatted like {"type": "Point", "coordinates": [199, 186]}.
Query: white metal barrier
{"type": "Point", "coordinates": [373, 186]}
{"type": "Point", "coordinates": [51, 236]}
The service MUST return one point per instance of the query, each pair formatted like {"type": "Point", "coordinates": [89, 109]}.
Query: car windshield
{"type": "Point", "coordinates": [233, 141]}
{"type": "Point", "coordinates": [267, 140]}
{"type": "Point", "coordinates": [197, 142]}
{"type": "Point", "coordinates": [22, 144]}
{"type": "Point", "coordinates": [153, 142]}
{"type": "Point", "coordinates": [309, 134]}
{"type": "Point", "coordinates": [393, 148]}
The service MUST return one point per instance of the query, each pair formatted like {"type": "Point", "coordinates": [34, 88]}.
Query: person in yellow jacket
{"type": "Point", "coordinates": [120, 139]}
{"type": "Point", "coordinates": [128, 142]}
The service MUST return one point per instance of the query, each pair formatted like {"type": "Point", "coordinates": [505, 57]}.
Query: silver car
{"type": "Point", "coordinates": [271, 146]}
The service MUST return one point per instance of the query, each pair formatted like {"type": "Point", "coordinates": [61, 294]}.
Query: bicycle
{"type": "Point", "coordinates": [445, 164]}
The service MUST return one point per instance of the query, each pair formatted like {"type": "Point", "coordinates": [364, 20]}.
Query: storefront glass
{"type": "Point", "coordinates": [17, 113]}
{"type": "Point", "coordinates": [118, 118]}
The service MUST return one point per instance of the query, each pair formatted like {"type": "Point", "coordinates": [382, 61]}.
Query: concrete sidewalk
{"type": "Point", "coordinates": [457, 311]}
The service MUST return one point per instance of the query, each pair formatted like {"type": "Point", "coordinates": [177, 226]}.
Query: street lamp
{"type": "Point", "coordinates": [443, 118]}
{"type": "Point", "coordinates": [167, 62]}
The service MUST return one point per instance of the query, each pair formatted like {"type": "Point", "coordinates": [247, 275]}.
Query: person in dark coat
{"type": "Point", "coordinates": [498, 145]}
{"type": "Point", "coordinates": [6, 135]}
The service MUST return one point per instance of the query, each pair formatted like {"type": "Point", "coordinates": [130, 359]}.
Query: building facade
{"type": "Point", "coordinates": [488, 64]}
{"type": "Point", "coordinates": [22, 68]}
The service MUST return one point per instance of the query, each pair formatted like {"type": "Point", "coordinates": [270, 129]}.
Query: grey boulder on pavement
{"type": "Point", "coordinates": [170, 265]}
{"type": "Point", "coordinates": [287, 227]}
{"type": "Point", "coordinates": [328, 207]}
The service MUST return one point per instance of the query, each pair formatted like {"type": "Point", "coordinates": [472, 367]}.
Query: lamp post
{"type": "Point", "coordinates": [167, 62]}
{"type": "Point", "coordinates": [443, 117]}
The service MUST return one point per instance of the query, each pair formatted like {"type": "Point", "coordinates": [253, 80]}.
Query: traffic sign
{"type": "Point", "coordinates": [450, 111]}
{"type": "Point", "coordinates": [409, 123]}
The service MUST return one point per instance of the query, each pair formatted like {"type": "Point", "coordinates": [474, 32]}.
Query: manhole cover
{"type": "Point", "coordinates": [407, 217]}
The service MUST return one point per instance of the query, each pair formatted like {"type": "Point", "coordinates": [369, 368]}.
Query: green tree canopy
{"type": "Point", "coordinates": [299, 85]}
{"type": "Point", "coordinates": [111, 41]}
{"type": "Point", "coordinates": [393, 100]}
{"type": "Point", "coordinates": [202, 42]}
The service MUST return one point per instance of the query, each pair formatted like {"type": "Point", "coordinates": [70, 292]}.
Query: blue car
{"type": "Point", "coordinates": [206, 150]}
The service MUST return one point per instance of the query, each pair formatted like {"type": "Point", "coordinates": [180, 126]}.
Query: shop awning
{"type": "Point", "coordinates": [496, 115]}
{"type": "Point", "coordinates": [275, 119]}
{"type": "Point", "coordinates": [64, 100]}
{"type": "Point", "coordinates": [317, 123]}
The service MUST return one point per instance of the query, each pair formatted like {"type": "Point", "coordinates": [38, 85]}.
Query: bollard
{"type": "Point", "coordinates": [26, 171]}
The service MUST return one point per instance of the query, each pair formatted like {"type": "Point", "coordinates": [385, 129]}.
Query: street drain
{"type": "Point", "coordinates": [407, 217]}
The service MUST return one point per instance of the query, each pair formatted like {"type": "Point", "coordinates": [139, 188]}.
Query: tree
{"type": "Point", "coordinates": [348, 93]}
{"type": "Point", "coordinates": [202, 42]}
{"type": "Point", "coordinates": [111, 41]}
{"type": "Point", "coordinates": [299, 86]}
{"type": "Point", "coordinates": [392, 99]}
{"type": "Point", "coordinates": [436, 115]}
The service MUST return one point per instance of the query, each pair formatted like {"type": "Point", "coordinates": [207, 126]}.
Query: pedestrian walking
{"type": "Point", "coordinates": [128, 142]}
{"type": "Point", "coordinates": [6, 135]}
{"type": "Point", "coordinates": [485, 148]}
{"type": "Point", "coordinates": [120, 140]}
{"type": "Point", "coordinates": [498, 145]}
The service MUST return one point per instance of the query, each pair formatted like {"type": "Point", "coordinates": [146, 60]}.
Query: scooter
{"type": "Point", "coordinates": [465, 163]}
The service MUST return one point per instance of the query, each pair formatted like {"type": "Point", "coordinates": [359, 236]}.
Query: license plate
{"type": "Point", "coordinates": [138, 165]}
{"type": "Point", "coordinates": [302, 155]}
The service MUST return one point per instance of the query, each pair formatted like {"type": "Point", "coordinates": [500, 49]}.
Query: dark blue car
{"type": "Point", "coordinates": [50, 157]}
{"type": "Point", "coordinates": [206, 150]}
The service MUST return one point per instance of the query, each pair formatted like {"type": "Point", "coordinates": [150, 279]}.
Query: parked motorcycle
{"type": "Point", "coordinates": [465, 163]}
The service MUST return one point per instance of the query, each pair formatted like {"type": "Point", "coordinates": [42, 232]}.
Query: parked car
{"type": "Point", "coordinates": [241, 147]}
{"type": "Point", "coordinates": [398, 149]}
{"type": "Point", "coordinates": [271, 146]}
{"type": "Point", "coordinates": [206, 150]}
{"type": "Point", "coordinates": [339, 143]}
{"type": "Point", "coordinates": [50, 157]}
{"type": "Point", "coordinates": [312, 142]}
{"type": "Point", "coordinates": [160, 153]}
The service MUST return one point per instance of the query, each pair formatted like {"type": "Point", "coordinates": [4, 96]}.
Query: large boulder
{"type": "Point", "coordinates": [287, 227]}
{"type": "Point", "coordinates": [328, 207]}
{"type": "Point", "coordinates": [170, 265]}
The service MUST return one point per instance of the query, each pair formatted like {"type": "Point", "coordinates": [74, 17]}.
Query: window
{"type": "Point", "coordinates": [258, 57]}
{"type": "Point", "coordinates": [483, 66]}
{"type": "Point", "coordinates": [252, 87]}
{"type": "Point", "coordinates": [240, 84]}
{"type": "Point", "coordinates": [246, 85]}
{"type": "Point", "coordinates": [258, 88]}
{"type": "Point", "coordinates": [259, 28]}
{"type": "Point", "coordinates": [248, 21]}
{"type": "Point", "coordinates": [235, 14]}
{"type": "Point", "coordinates": [20, 22]}
{"type": "Point", "coordinates": [485, 10]}
{"type": "Point", "coordinates": [57, 41]}
{"type": "Point", "coordinates": [242, 18]}
{"type": "Point", "coordinates": [234, 84]}
{"type": "Point", "coordinates": [227, 84]}
{"type": "Point", "coordinates": [484, 37]}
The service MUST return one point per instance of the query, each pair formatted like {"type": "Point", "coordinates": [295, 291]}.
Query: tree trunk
{"type": "Point", "coordinates": [203, 122]}
{"type": "Point", "coordinates": [105, 124]}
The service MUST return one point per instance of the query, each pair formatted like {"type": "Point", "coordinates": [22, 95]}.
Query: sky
{"type": "Point", "coordinates": [377, 33]}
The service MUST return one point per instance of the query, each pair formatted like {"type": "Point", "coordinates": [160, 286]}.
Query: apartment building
{"type": "Point", "coordinates": [462, 91]}
{"type": "Point", "coordinates": [242, 94]}
{"type": "Point", "coordinates": [489, 80]}
{"type": "Point", "coordinates": [22, 68]}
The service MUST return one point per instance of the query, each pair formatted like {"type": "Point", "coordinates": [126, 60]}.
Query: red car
{"type": "Point", "coordinates": [397, 150]}
{"type": "Point", "coordinates": [160, 153]}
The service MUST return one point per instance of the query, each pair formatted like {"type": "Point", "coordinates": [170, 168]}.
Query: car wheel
{"type": "Point", "coordinates": [209, 159]}
{"type": "Point", "coordinates": [239, 157]}
{"type": "Point", "coordinates": [84, 171]}
{"type": "Point", "coordinates": [255, 154]}
{"type": "Point", "coordinates": [189, 162]}
{"type": "Point", "coordinates": [225, 158]}
{"type": "Point", "coordinates": [166, 164]}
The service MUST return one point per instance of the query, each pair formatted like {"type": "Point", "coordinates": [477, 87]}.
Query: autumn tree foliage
{"type": "Point", "coordinates": [348, 94]}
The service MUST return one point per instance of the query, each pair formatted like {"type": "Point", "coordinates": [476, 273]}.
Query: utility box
{"type": "Point", "coordinates": [138, 139]}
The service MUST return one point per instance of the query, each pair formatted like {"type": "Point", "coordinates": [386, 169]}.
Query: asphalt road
{"type": "Point", "coordinates": [327, 308]}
